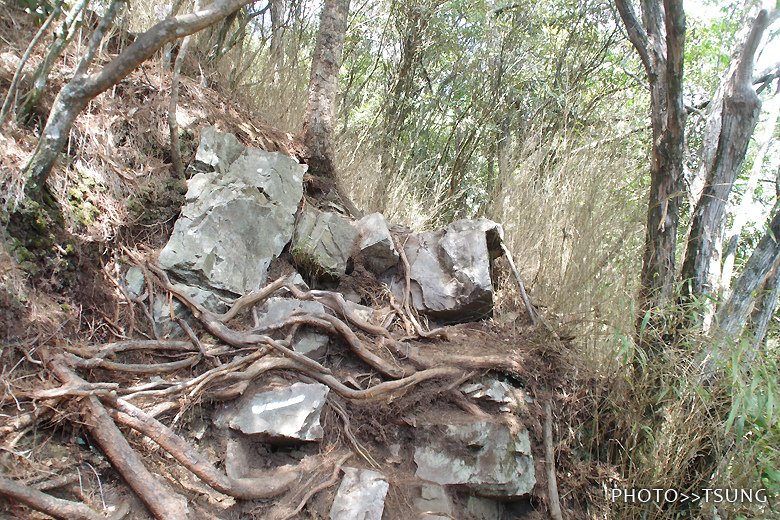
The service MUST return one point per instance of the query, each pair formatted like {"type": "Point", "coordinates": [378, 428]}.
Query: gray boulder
{"type": "Point", "coordinates": [361, 496]}
{"type": "Point", "coordinates": [322, 243]}
{"type": "Point", "coordinates": [485, 457]}
{"type": "Point", "coordinates": [289, 413]}
{"type": "Point", "coordinates": [375, 244]}
{"type": "Point", "coordinates": [450, 270]}
{"type": "Point", "coordinates": [236, 219]}
{"type": "Point", "coordinates": [277, 310]}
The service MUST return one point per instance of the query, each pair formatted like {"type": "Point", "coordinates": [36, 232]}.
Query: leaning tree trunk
{"type": "Point", "coordinates": [660, 42]}
{"type": "Point", "coordinates": [741, 212]}
{"type": "Point", "coordinates": [764, 309]}
{"type": "Point", "coordinates": [318, 123]}
{"type": "Point", "coordinates": [733, 120]}
{"type": "Point", "coordinates": [733, 315]}
{"type": "Point", "coordinates": [77, 93]}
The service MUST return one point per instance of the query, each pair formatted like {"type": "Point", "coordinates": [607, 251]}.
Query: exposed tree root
{"type": "Point", "coordinates": [162, 502]}
{"type": "Point", "coordinates": [180, 379]}
{"type": "Point", "coordinates": [52, 506]}
{"type": "Point", "coordinates": [334, 478]}
{"type": "Point", "coordinates": [274, 483]}
{"type": "Point", "coordinates": [554, 504]}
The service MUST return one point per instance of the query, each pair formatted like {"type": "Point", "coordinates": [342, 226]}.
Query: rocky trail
{"type": "Point", "coordinates": [284, 360]}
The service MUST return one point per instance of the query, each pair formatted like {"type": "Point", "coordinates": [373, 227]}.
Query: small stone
{"type": "Point", "coordinates": [218, 150]}
{"type": "Point", "coordinates": [433, 499]}
{"type": "Point", "coordinates": [484, 508]}
{"type": "Point", "coordinates": [135, 282]}
{"type": "Point", "coordinates": [361, 496]}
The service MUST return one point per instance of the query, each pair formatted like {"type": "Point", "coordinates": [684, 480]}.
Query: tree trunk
{"type": "Point", "coordinates": [318, 121]}
{"type": "Point", "coordinates": [737, 111]}
{"type": "Point", "coordinates": [173, 123]}
{"type": "Point", "coordinates": [764, 309]}
{"type": "Point", "coordinates": [76, 94]}
{"type": "Point", "coordinates": [733, 315]}
{"type": "Point", "coordinates": [277, 35]}
{"type": "Point", "coordinates": [660, 42]}
{"type": "Point", "coordinates": [65, 35]}
{"type": "Point", "coordinates": [398, 105]}
{"type": "Point", "coordinates": [741, 212]}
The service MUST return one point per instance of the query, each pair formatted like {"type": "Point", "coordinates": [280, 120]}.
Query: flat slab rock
{"type": "Point", "coordinates": [485, 457]}
{"type": "Point", "coordinates": [288, 413]}
{"type": "Point", "coordinates": [237, 218]}
{"type": "Point", "coordinates": [361, 496]}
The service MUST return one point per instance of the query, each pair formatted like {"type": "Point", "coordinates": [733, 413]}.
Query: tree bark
{"type": "Point", "coordinates": [741, 212]}
{"type": "Point", "coordinates": [77, 93]}
{"type": "Point", "coordinates": [277, 34]}
{"type": "Point", "coordinates": [733, 315]}
{"type": "Point", "coordinates": [660, 41]}
{"type": "Point", "coordinates": [735, 115]}
{"type": "Point", "coordinates": [318, 124]}
{"type": "Point", "coordinates": [173, 123]}
{"type": "Point", "coordinates": [764, 309]}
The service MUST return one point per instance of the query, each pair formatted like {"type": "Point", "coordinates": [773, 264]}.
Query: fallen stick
{"type": "Point", "coordinates": [526, 301]}
{"type": "Point", "coordinates": [52, 506]}
{"type": "Point", "coordinates": [549, 462]}
{"type": "Point", "coordinates": [162, 502]}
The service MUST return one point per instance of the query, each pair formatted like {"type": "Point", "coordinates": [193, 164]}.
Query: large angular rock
{"type": "Point", "coordinates": [290, 413]}
{"type": "Point", "coordinates": [361, 496]}
{"type": "Point", "coordinates": [485, 457]}
{"type": "Point", "coordinates": [450, 270]}
{"type": "Point", "coordinates": [277, 310]}
{"type": "Point", "coordinates": [375, 244]}
{"type": "Point", "coordinates": [322, 243]}
{"type": "Point", "coordinates": [236, 219]}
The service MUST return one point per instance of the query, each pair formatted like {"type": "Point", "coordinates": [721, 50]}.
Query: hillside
{"type": "Point", "coordinates": [437, 260]}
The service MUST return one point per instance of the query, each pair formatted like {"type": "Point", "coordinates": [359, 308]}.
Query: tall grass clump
{"type": "Point", "coordinates": [663, 426]}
